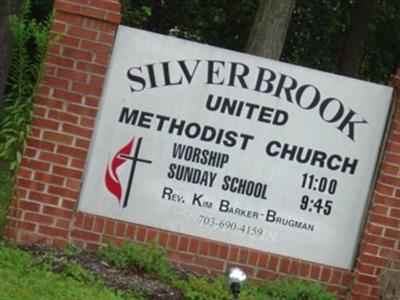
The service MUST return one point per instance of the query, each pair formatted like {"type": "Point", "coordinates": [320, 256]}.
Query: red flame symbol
{"type": "Point", "coordinates": [113, 183]}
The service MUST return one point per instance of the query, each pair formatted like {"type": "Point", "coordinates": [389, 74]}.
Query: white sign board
{"type": "Point", "coordinates": [234, 148]}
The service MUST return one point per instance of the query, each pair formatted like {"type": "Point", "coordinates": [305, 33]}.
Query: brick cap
{"type": "Point", "coordinates": [105, 10]}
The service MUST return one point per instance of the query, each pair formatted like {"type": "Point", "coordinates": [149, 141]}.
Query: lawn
{"type": "Point", "coordinates": [21, 280]}
{"type": "Point", "coordinates": [22, 277]}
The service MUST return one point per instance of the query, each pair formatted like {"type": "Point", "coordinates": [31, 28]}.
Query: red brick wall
{"type": "Point", "coordinates": [50, 176]}
{"type": "Point", "coordinates": [65, 109]}
{"type": "Point", "coordinates": [380, 243]}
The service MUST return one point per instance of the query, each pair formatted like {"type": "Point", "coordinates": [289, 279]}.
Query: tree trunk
{"type": "Point", "coordinates": [352, 49]}
{"type": "Point", "coordinates": [268, 33]}
{"type": "Point", "coordinates": [8, 8]}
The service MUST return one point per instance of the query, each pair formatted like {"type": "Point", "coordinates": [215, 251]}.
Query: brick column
{"type": "Point", "coordinates": [380, 243]}
{"type": "Point", "coordinates": [65, 108]}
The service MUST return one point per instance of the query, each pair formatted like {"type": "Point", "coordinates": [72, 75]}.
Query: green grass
{"type": "Point", "coordinates": [5, 194]}
{"type": "Point", "coordinates": [20, 280]}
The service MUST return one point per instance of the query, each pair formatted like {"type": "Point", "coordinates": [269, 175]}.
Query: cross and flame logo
{"type": "Point", "coordinates": [112, 180]}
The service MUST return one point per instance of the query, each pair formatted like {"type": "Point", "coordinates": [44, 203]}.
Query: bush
{"type": "Point", "coordinates": [30, 38]}
{"type": "Point", "coordinates": [153, 259]}
{"type": "Point", "coordinates": [290, 290]}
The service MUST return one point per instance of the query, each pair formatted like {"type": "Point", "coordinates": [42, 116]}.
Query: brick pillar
{"type": "Point", "coordinates": [50, 176]}
{"type": "Point", "coordinates": [380, 242]}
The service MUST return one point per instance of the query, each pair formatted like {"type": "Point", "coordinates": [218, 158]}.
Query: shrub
{"type": "Point", "coordinates": [30, 38]}
{"type": "Point", "coordinates": [153, 259]}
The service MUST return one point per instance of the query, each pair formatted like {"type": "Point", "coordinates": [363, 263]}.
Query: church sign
{"type": "Point", "coordinates": [235, 148]}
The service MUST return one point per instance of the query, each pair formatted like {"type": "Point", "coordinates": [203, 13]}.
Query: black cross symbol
{"type": "Point", "coordinates": [134, 160]}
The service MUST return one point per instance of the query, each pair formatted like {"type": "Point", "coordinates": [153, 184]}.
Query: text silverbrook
{"type": "Point", "coordinates": [259, 79]}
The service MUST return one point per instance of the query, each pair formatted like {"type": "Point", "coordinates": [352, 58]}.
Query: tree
{"type": "Point", "coordinates": [318, 31]}
{"type": "Point", "coordinates": [352, 50]}
{"type": "Point", "coordinates": [8, 8]}
{"type": "Point", "coordinates": [268, 33]}
{"type": "Point", "coordinates": [222, 23]}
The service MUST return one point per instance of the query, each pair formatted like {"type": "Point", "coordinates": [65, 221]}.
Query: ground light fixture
{"type": "Point", "coordinates": [236, 277]}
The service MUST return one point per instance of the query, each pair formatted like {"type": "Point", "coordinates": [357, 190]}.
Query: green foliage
{"type": "Point", "coordinates": [382, 50]}
{"type": "Point", "coordinates": [131, 295]}
{"type": "Point", "coordinates": [151, 259]}
{"type": "Point", "coordinates": [314, 39]}
{"type": "Point", "coordinates": [71, 251]}
{"type": "Point", "coordinates": [6, 184]}
{"type": "Point", "coordinates": [316, 33]}
{"type": "Point", "coordinates": [20, 280]}
{"type": "Point", "coordinates": [28, 277]}
{"type": "Point", "coordinates": [79, 273]}
{"type": "Point", "coordinates": [221, 23]}
{"type": "Point", "coordinates": [202, 288]}
{"type": "Point", "coordinates": [287, 290]}
{"type": "Point", "coordinates": [136, 17]}
{"type": "Point", "coordinates": [30, 43]}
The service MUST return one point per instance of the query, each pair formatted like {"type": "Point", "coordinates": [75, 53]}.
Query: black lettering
{"type": "Point", "coordinates": [192, 133]}
{"type": "Point", "coordinates": [261, 79]}
{"type": "Point", "coordinates": [230, 138]}
{"type": "Point", "coordinates": [171, 173]}
{"type": "Point", "coordinates": [216, 105]}
{"type": "Point", "coordinates": [224, 205]}
{"type": "Point", "coordinates": [323, 107]}
{"type": "Point", "coordinates": [176, 125]}
{"type": "Point", "coordinates": [280, 118]}
{"type": "Point", "coordinates": [236, 75]}
{"type": "Point", "coordinates": [161, 120]}
{"type": "Point", "coordinates": [225, 185]}
{"type": "Point", "coordinates": [286, 150]}
{"type": "Point", "coordinates": [271, 215]}
{"type": "Point", "coordinates": [128, 117]}
{"type": "Point", "coordinates": [318, 157]}
{"type": "Point", "coordinates": [167, 75]}
{"type": "Point", "coordinates": [211, 72]}
{"type": "Point", "coordinates": [196, 199]}
{"type": "Point", "coordinates": [251, 107]}
{"type": "Point", "coordinates": [269, 151]}
{"type": "Point", "coordinates": [136, 78]}
{"type": "Point", "coordinates": [314, 101]}
{"type": "Point", "coordinates": [348, 123]}
{"type": "Point", "coordinates": [246, 138]}
{"type": "Point", "coordinates": [185, 70]}
{"type": "Point", "coordinates": [288, 89]}
{"type": "Point", "coordinates": [347, 164]}
{"type": "Point", "coordinates": [152, 76]}
{"type": "Point", "coordinates": [178, 151]}
{"type": "Point", "coordinates": [145, 119]}
{"type": "Point", "coordinates": [330, 162]}
{"type": "Point", "coordinates": [208, 133]}
{"type": "Point", "coordinates": [167, 192]}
